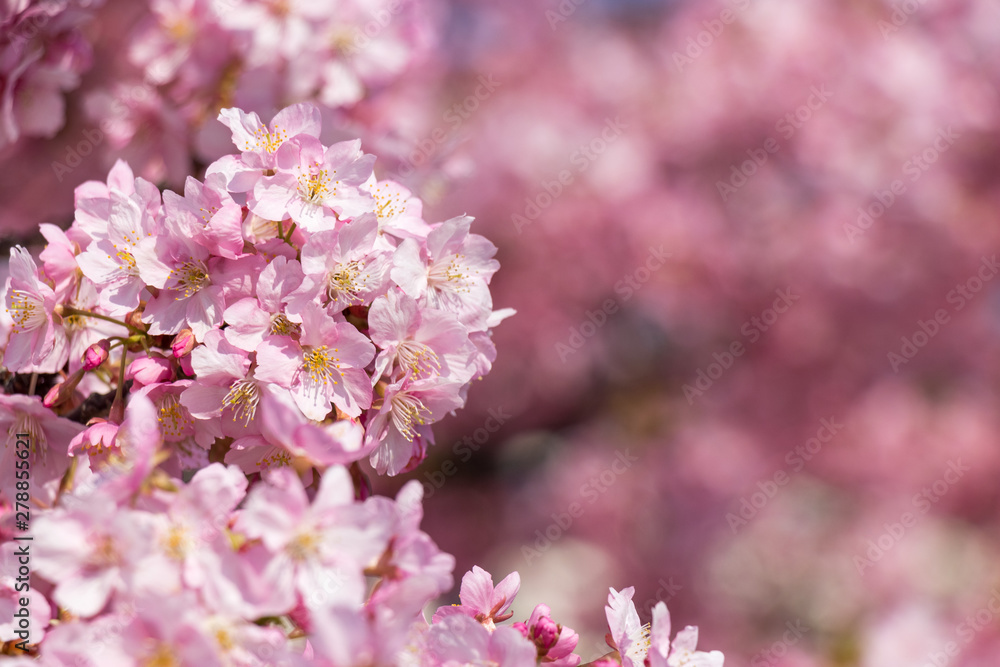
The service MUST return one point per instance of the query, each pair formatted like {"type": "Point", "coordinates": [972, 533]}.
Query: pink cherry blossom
{"type": "Point", "coordinates": [401, 425]}
{"type": "Point", "coordinates": [313, 185]}
{"type": "Point", "coordinates": [482, 601]}
{"type": "Point", "coordinates": [458, 640]}
{"type": "Point", "coordinates": [310, 540]}
{"type": "Point", "coordinates": [37, 340]}
{"type": "Point", "coordinates": [46, 438]}
{"type": "Point", "coordinates": [422, 342]}
{"type": "Point", "coordinates": [451, 272]}
{"type": "Point", "coordinates": [251, 319]}
{"type": "Point", "coordinates": [343, 267]}
{"type": "Point", "coordinates": [323, 368]}
{"type": "Point", "coordinates": [113, 261]}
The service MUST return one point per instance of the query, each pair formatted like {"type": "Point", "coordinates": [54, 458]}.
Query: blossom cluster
{"type": "Point", "coordinates": [42, 55]}
{"type": "Point", "coordinates": [288, 307]}
{"type": "Point", "coordinates": [216, 367]}
{"type": "Point", "coordinates": [135, 567]}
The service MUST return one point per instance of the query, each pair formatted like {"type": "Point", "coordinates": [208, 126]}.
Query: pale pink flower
{"type": "Point", "coordinates": [325, 367]}
{"type": "Point", "coordinates": [411, 553]}
{"type": "Point", "coordinates": [189, 439]}
{"type": "Point", "coordinates": [224, 389]}
{"type": "Point", "coordinates": [651, 647]}
{"type": "Point", "coordinates": [172, 630]}
{"type": "Point", "coordinates": [342, 268]}
{"type": "Point", "coordinates": [37, 342]}
{"type": "Point", "coordinates": [682, 652]}
{"type": "Point", "coordinates": [114, 261]}
{"type": "Point", "coordinates": [399, 212]}
{"type": "Point", "coordinates": [403, 422]}
{"type": "Point", "coordinates": [312, 540]}
{"type": "Point", "coordinates": [260, 142]}
{"type": "Point", "coordinates": [482, 601]}
{"type": "Point", "coordinates": [206, 214]}
{"type": "Point", "coordinates": [47, 439]}
{"type": "Point", "coordinates": [321, 444]}
{"type": "Point", "coordinates": [250, 320]}
{"type": "Point", "coordinates": [459, 640]}
{"type": "Point", "coordinates": [314, 185]}
{"type": "Point", "coordinates": [88, 551]}
{"type": "Point", "coordinates": [452, 271]}
{"type": "Point", "coordinates": [422, 342]}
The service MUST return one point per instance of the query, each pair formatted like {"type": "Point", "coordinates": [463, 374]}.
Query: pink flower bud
{"type": "Point", "coordinates": [183, 343]}
{"type": "Point", "coordinates": [546, 633]}
{"type": "Point", "coordinates": [63, 391]}
{"type": "Point", "coordinates": [149, 370]}
{"type": "Point", "coordinates": [96, 354]}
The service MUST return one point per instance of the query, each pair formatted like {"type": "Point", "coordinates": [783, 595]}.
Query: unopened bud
{"type": "Point", "coordinates": [96, 354]}
{"type": "Point", "coordinates": [134, 319]}
{"type": "Point", "coordinates": [546, 633]}
{"type": "Point", "coordinates": [183, 343]}
{"type": "Point", "coordinates": [150, 370]}
{"type": "Point", "coordinates": [63, 391]}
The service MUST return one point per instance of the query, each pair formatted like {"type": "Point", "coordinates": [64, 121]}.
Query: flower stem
{"type": "Point", "coordinates": [69, 311]}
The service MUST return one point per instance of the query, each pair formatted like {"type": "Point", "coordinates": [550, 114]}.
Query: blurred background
{"type": "Point", "coordinates": [753, 249]}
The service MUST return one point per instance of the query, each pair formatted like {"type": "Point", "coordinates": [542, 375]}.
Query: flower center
{"type": "Point", "coordinates": [419, 358]}
{"type": "Point", "coordinates": [282, 326]}
{"type": "Point", "coordinates": [176, 542]}
{"type": "Point", "coordinates": [126, 261]}
{"type": "Point", "coordinates": [345, 281]}
{"type": "Point", "coordinates": [26, 309]}
{"type": "Point", "coordinates": [305, 545]}
{"type": "Point", "coordinates": [450, 273]}
{"type": "Point", "coordinates": [408, 413]}
{"type": "Point", "coordinates": [173, 419]}
{"type": "Point", "coordinates": [161, 656]}
{"type": "Point", "coordinates": [385, 205]}
{"type": "Point", "coordinates": [190, 278]}
{"type": "Point", "coordinates": [313, 187]}
{"type": "Point", "coordinates": [269, 141]}
{"type": "Point", "coordinates": [278, 458]}
{"type": "Point", "coordinates": [243, 398]}
{"type": "Point", "coordinates": [104, 554]}
{"type": "Point", "coordinates": [27, 425]}
{"type": "Point", "coordinates": [320, 363]}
